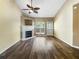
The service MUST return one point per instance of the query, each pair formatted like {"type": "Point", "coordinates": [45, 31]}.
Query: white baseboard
{"type": "Point", "coordinates": [8, 47]}
{"type": "Point", "coordinates": [75, 47]}
{"type": "Point", "coordinates": [70, 44]}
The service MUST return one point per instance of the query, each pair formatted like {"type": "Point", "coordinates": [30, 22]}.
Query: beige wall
{"type": "Point", "coordinates": [64, 22]}
{"type": "Point", "coordinates": [9, 24]}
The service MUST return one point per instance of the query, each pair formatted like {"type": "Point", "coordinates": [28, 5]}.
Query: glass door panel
{"type": "Point", "coordinates": [50, 27]}
{"type": "Point", "coordinates": [40, 27]}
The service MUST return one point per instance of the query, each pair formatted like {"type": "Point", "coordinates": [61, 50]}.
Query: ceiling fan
{"type": "Point", "coordinates": [31, 8]}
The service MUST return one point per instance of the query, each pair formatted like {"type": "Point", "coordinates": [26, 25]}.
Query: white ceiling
{"type": "Point", "coordinates": [48, 8]}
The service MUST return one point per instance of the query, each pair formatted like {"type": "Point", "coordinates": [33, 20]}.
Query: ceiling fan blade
{"type": "Point", "coordinates": [35, 11]}
{"type": "Point", "coordinates": [25, 9]}
{"type": "Point", "coordinates": [36, 8]}
{"type": "Point", "coordinates": [29, 6]}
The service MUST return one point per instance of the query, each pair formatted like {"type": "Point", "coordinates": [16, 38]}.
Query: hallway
{"type": "Point", "coordinates": [41, 48]}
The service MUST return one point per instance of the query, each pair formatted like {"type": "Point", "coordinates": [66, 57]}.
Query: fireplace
{"type": "Point", "coordinates": [28, 34]}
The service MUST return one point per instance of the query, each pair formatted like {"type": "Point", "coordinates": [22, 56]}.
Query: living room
{"type": "Point", "coordinates": [49, 30]}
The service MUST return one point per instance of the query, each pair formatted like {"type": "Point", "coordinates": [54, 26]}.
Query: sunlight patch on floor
{"type": "Point", "coordinates": [42, 44]}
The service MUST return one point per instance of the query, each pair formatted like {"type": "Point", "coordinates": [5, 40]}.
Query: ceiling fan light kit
{"type": "Point", "coordinates": [32, 9]}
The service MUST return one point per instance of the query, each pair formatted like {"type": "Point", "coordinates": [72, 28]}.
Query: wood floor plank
{"type": "Point", "coordinates": [42, 48]}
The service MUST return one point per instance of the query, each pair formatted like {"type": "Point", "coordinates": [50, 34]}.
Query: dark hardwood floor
{"type": "Point", "coordinates": [42, 48]}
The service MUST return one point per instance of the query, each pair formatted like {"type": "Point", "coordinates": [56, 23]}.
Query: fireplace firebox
{"type": "Point", "coordinates": [28, 34]}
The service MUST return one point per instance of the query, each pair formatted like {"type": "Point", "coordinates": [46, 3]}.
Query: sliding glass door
{"type": "Point", "coordinates": [44, 27]}
{"type": "Point", "coordinates": [40, 27]}
{"type": "Point", "coordinates": [50, 28]}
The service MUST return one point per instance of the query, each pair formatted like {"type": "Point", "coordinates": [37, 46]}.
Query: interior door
{"type": "Point", "coordinates": [76, 25]}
